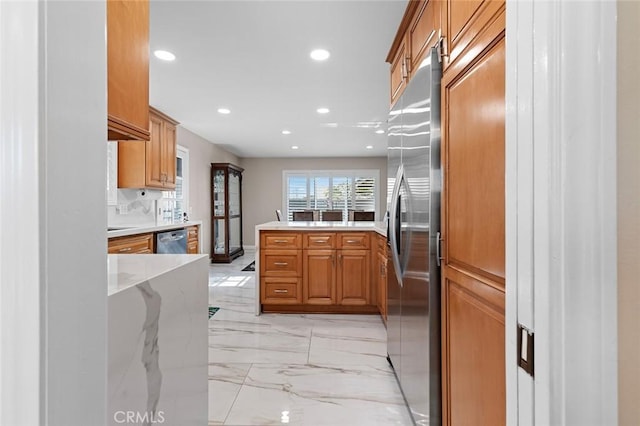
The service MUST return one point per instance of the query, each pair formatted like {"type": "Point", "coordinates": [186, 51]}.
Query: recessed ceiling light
{"type": "Point", "coordinates": [224, 110]}
{"type": "Point", "coordinates": [320, 55]}
{"type": "Point", "coordinates": [286, 132]}
{"type": "Point", "coordinates": [164, 55]}
{"type": "Point", "coordinates": [380, 131]}
{"type": "Point", "coordinates": [323, 110]}
{"type": "Point", "coordinates": [294, 147]}
{"type": "Point", "coordinates": [369, 147]}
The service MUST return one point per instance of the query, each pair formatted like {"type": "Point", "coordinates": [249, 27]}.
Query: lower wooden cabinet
{"type": "Point", "coordinates": [131, 244]}
{"type": "Point", "coordinates": [192, 240]}
{"type": "Point", "coordinates": [317, 272]}
{"type": "Point", "coordinates": [380, 277]}
{"type": "Point", "coordinates": [319, 277]}
{"type": "Point", "coordinates": [354, 277]}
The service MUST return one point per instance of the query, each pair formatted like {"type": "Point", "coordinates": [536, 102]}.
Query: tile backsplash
{"type": "Point", "coordinates": [135, 207]}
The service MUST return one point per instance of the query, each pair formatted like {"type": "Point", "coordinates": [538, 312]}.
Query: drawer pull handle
{"type": "Point", "coordinates": [280, 291]}
{"type": "Point", "coordinates": [280, 263]}
{"type": "Point", "coordinates": [280, 241]}
{"type": "Point", "coordinates": [122, 250]}
{"type": "Point", "coordinates": [352, 242]}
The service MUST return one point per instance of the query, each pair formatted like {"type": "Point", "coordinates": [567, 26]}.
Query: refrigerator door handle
{"type": "Point", "coordinates": [395, 224]}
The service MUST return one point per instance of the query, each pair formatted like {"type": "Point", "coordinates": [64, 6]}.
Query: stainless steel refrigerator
{"type": "Point", "coordinates": [413, 287]}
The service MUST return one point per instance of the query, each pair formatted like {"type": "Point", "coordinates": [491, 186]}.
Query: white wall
{"type": "Point", "coordinates": [201, 154]}
{"type": "Point", "coordinates": [628, 213]}
{"type": "Point", "coordinates": [262, 185]}
{"type": "Point", "coordinates": [53, 225]}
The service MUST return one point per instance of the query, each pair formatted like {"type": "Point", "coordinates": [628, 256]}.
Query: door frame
{"type": "Point", "coordinates": [561, 210]}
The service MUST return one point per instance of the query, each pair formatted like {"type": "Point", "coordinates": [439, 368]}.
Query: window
{"type": "Point", "coordinates": [174, 204]}
{"type": "Point", "coordinates": [330, 190]}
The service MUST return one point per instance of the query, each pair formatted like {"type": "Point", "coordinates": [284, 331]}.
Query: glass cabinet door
{"type": "Point", "coordinates": [226, 199]}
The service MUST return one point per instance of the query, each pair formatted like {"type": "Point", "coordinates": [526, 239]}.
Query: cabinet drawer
{"type": "Point", "coordinates": [319, 241]}
{"type": "Point", "coordinates": [136, 244]}
{"type": "Point", "coordinates": [192, 233]}
{"type": "Point", "coordinates": [281, 263]}
{"type": "Point", "coordinates": [278, 240]}
{"type": "Point", "coordinates": [353, 241]}
{"type": "Point", "coordinates": [277, 290]}
{"type": "Point", "coordinates": [192, 247]}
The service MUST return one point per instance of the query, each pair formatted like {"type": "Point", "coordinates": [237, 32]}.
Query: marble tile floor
{"type": "Point", "coordinates": [297, 369]}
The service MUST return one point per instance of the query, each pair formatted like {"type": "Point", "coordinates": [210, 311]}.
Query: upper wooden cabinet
{"type": "Point", "coordinates": [128, 69]}
{"type": "Point", "coordinates": [420, 29]}
{"type": "Point", "coordinates": [151, 164]}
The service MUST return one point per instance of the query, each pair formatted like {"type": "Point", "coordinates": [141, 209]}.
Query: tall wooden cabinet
{"type": "Point", "coordinates": [151, 164]}
{"type": "Point", "coordinates": [473, 219]}
{"type": "Point", "coordinates": [226, 211]}
{"type": "Point", "coordinates": [473, 206]}
{"type": "Point", "coordinates": [128, 69]}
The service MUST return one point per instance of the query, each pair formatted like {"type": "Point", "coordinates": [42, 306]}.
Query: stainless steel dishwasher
{"type": "Point", "coordinates": [172, 242]}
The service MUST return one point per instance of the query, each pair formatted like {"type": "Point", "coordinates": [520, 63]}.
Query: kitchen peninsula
{"type": "Point", "coordinates": [157, 337]}
{"type": "Point", "coordinates": [321, 267]}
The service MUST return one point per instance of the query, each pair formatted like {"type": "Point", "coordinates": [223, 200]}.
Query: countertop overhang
{"type": "Point", "coordinates": [379, 227]}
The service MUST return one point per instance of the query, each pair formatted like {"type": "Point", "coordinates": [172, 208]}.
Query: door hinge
{"type": "Point", "coordinates": [525, 349]}
{"type": "Point", "coordinates": [441, 48]}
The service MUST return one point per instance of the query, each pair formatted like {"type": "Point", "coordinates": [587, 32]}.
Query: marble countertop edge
{"type": "Point", "coordinates": [128, 270]}
{"type": "Point", "coordinates": [143, 229]}
{"type": "Point", "coordinates": [379, 227]}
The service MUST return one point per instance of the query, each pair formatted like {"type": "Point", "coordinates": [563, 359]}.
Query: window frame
{"type": "Point", "coordinates": [331, 174]}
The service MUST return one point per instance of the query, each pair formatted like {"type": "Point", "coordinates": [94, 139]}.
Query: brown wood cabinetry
{"type": "Point", "coordinates": [472, 223]}
{"type": "Point", "coordinates": [473, 215]}
{"type": "Point", "coordinates": [193, 240]}
{"type": "Point", "coordinates": [319, 281]}
{"type": "Point", "coordinates": [379, 275]}
{"type": "Point", "coordinates": [334, 270]}
{"type": "Point", "coordinates": [280, 268]}
{"type": "Point", "coordinates": [354, 269]}
{"type": "Point", "coordinates": [128, 69]}
{"type": "Point", "coordinates": [151, 164]}
{"type": "Point", "coordinates": [420, 29]}
{"type": "Point", "coordinates": [131, 244]}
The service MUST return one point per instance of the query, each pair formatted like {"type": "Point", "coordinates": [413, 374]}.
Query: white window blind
{"type": "Point", "coordinates": [343, 190]}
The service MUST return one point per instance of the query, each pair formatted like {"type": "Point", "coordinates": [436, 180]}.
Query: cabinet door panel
{"type": "Point", "coordinates": [319, 277]}
{"type": "Point", "coordinates": [154, 154]}
{"type": "Point", "coordinates": [460, 12]}
{"type": "Point", "coordinates": [128, 69]}
{"type": "Point", "coordinates": [170, 155]}
{"type": "Point", "coordinates": [476, 358]}
{"type": "Point", "coordinates": [423, 33]}
{"type": "Point", "coordinates": [475, 172]}
{"type": "Point", "coordinates": [353, 277]}
{"type": "Point", "coordinates": [398, 73]}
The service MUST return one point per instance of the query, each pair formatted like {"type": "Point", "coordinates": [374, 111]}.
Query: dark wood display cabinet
{"type": "Point", "coordinates": [226, 211]}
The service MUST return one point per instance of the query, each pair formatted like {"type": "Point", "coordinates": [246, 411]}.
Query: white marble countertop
{"type": "Point", "coordinates": [128, 270]}
{"type": "Point", "coordinates": [379, 227]}
{"type": "Point", "coordinates": [124, 230]}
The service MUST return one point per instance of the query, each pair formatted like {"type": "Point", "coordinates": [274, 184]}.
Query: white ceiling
{"type": "Point", "coordinates": [253, 58]}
